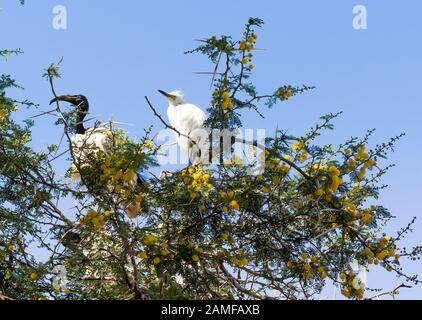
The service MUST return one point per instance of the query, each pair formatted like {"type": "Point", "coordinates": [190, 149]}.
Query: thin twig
{"type": "Point", "coordinates": [392, 292]}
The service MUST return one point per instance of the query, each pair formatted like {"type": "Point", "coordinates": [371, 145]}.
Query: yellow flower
{"type": "Point", "coordinates": [370, 164]}
{"type": "Point", "coordinates": [156, 260]}
{"type": "Point", "coordinates": [148, 144]}
{"type": "Point", "coordinates": [343, 276]}
{"type": "Point", "coordinates": [224, 209]}
{"type": "Point", "coordinates": [318, 166]}
{"type": "Point", "coordinates": [66, 291]}
{"type": "Point", "coordinates": [290, 265]}
{"type": "Point", "coordinates": [234, 205]}
{"type": "Point", "coordinates": [129, 175]}
{"type": "Point", "coordinates": [298, 145]}
{"type": "Point", "coordinates": [319, 192]}
{"type": "Point", "coordinates": [149, 240]}
{"type": "Point", "coordinates": [303, 156]}
{"type": "Point", "coordinates": [265, 189]}
{"type": "Point", "coordinates": [346, 293]}
{"type": "Point", "coordinates": [242, 45]}
{"type": "Point", "coordinates": [34, 276]}
{"type": "Point", "coordinates": [199, 250]}
{"type": "Point", "coordinates": [382, 255]}
{"type": "Point", "coordinates": [335, 182]}
{"type": "Point", "coordinates": [362, 173]}
{"type": "Point", "coordinates": [245, 61]}
{"type": "Point", "coordinates": [225, 95]}
{"type": "Point", "coordinates": [369, 252]}
{"type": "Point", "coordinates": [195, 258]}
{"type": "Point", "coordinates": [243, 262]}
{"type": "Point", "coordinates": [142, 255]}
{"type": "Point", "coordinates": [384, 240]}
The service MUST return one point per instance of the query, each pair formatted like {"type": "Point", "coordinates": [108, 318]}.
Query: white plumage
{"type": "Point", "coordinates": [188, 120]}
{"type": "Point", "coordinates": [86, 143]}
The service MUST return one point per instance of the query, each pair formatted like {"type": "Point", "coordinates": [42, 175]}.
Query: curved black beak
{"type": "Point", "coordinates": [54, 100]}
{"type": "Point", "coordinates": [67, 98]}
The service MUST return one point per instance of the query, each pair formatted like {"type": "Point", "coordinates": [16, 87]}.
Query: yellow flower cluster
{"type": "Point", "coordinates": [303, 156]}
{"type": "Point", "coordinates": [351, 165]}
{"type": "Point", "coordinates": [227, 103]}
{"type": "Point", "coordinates": [382, 251]}
{"type": "Point", "coordinates": [248, 45]}
{"type": "Point", "coordinates": [197, 180]}
{"type": "Point", "coordinates": [351, 285]}
{"type": "Point", "coordinates": [96, 219]}
{"type": "Point", "coordinates": [10, 247]}
{"type": "Point", "coordinates": [307, 267]}
{"type": "Point", "coordinates": [361, 155]}
{"type": "Point", "coordinates": [239, 261]}
{"type": "Point", "coordinates": [299, 147]}
{"type": "Point", "coordinates": [278, 165]}
{"type": "Point", "coordinates": [285, 94]}
{"type": "Point", "coordinates": [333, 183]}
{"type": "Point", "coordinates": [157, 251]}
{"type": "Point", "coordinates": [118, 175]}
{"type": "Point", "coordinates": [4, 110]}
{"type": "Point", "coordinates": [195, 252]}
{"type": "Point", "coordinates": [149, 144]}
{"type": "Point", "coordinates": [149, 240]}
{"type": "Point", "coordinates": [363, 215]}
{"type": "Point", "coordinates": [336, 181]}
{"type": "Point", "coordinates": [3, 114]}
{"type": "Point", "coordinates": [229, 197]}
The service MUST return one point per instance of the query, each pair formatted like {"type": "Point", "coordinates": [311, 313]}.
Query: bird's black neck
{"type": "Point", "coordinates": [80, 129]}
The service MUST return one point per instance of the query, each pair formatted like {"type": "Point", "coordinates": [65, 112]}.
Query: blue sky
{"type": "Point", "coordinates": [117, 52]}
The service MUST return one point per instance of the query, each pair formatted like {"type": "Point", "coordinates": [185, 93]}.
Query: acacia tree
{"type": "Point", "coordinates": [207, 231]}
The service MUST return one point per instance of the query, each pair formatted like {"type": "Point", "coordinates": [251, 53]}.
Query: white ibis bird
{"type": "Point", "coordinates": [188, 120]}
{"type": "Point", "coordinates": [87, 142]}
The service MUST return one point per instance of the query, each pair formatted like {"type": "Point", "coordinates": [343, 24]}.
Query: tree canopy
{"type": "Point", "coordinates": [207, 231]}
